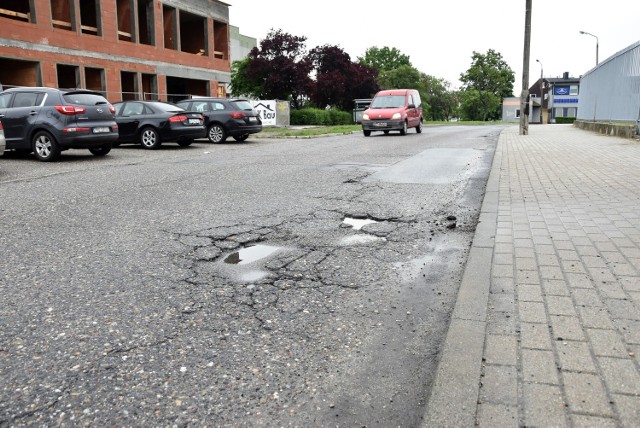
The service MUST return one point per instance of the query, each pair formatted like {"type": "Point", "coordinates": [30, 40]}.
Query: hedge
{"type": "Point", "coordinates": [320, 117]}
{"type": "Point", "coordinates": [565, 119]}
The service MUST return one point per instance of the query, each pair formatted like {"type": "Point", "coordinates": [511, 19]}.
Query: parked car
{"type": "Point", "coordinates": [3, 143]}
{"type": "Point", "coordinates": [47, 121]}
{"type": "Point", "coordinates": [150, 123]}
{"type": "Point", "coordinates": [393, 110]}
{"type": "Point", "coordinates": [226, 117]}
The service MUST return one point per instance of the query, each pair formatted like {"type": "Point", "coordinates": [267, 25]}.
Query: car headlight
{"type": "Point", "coordinates": [396, 116]}
{"type": "Point", "coordinates": [365, 117]}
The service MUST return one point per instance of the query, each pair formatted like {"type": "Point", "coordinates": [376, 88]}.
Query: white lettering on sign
{"type": "Point", "coordinates": [267, 111]}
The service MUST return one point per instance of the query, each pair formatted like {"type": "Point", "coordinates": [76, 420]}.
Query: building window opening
{"type": "Point", "coordinates": [220, 40]}
{"type": "Point", "coordinates": [15, 72]}
{"type": "Point", "coordinates": [61, 15]}
{"type": "Point", "coordinates": [20, 10]}
{"type": "Point", "coordinates": [129, 85]}
{"type": "Point", "coordinates": [179, 88]}
{"type": "Point", "coordinates": [170, 23]}
{"type": "Point", "coordinates": [193, 30]}
{"type": "Point", "coordinates": [90, 17]}
{"type": "Point", "coordinates": [517, 113]}
{"type": "Point", "coordinates": [94, 79]}
{"type": "Point", "coordinates": [149, 87]}
{"type": "Point", "coordinates": [68, 76]}
{"type": "Point", "coordinates": [126, 30]}
{"type": "Point", "coordinates": [145, 22]}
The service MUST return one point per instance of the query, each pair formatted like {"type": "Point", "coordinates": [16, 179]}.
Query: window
{"type": "Point", "coordinates": [5, 99]}
{"type": "Point", "coordinates": [220, 40]}
{"type": "Point", "coordinates": [62, 14]}
{"type": "Point", "coordinates": [90, 17]}
{"type": "Point", "coordinates": [217, 106]}
{"type": "Point", "coordinates": [193, 37]}
{"type": "Point", "coordinates": [170, 23]}
{"type": "Point", "coordinates": [68, 76]}
{"type": "Point", "coordinates": [20, 10]}
{"type": "Point", "coordinates": [517, 113]}
{"type": "Point", "coordinates": [94, 79]}
{"type": "Point", "coordinates": [26, 99]}
{"type": "Point", "coordinates": [133, 109]}
{"type": "Point", "coordinates": [573, 90]}
{"type": "Point", "coordinates": [200, 106]}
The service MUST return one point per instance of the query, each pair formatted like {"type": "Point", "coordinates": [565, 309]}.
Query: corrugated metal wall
{"type": "Point", "coordinates": [611, 91]}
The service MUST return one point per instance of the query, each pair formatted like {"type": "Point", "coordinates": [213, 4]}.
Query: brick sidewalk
{"type": "Point", "coordinates": [550, 335]}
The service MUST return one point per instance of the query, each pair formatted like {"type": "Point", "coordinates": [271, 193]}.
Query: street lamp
{"type": "Point", "coordinates": [592, 35]}
{"type": "Point", "coordinates": [541, 74]}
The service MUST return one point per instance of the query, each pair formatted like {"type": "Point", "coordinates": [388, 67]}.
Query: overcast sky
{"type": "Point", "coordinates": [441, 36]}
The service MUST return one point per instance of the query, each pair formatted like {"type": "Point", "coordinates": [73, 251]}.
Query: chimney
{"type": "Point", "coordinates": [565, 75]}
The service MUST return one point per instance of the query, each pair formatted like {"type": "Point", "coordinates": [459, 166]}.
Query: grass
{"type": "Point", "coordinates": [311, 131]}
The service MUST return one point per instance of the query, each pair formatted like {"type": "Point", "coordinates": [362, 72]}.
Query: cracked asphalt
{"type": "Point", "coordinates": [124, 299]}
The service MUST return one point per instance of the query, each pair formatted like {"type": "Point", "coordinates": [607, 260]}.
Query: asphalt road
{"type": "Point", "coordinates": [219, 285]}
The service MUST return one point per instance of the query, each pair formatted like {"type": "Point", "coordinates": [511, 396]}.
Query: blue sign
{"type": "Point", "coordinates": [564, 100]}
{"type": "Point", "coordinates": [560, 90]}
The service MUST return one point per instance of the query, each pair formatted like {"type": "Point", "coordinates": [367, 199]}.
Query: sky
{"type": "Point", "coordinates": [440, 36]}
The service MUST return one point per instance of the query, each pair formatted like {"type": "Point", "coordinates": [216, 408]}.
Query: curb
{"type": "Point", "coordinates": [456, 386]}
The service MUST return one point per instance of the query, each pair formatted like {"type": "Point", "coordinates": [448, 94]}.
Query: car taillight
{"type": "Point", "coordinates": [180, 118]}
{"type": "Point", "coordinates": [1, 128]}
{"type": "Point", "coordinates": [70, 110]}
{"type": "Point", "coordinates": [238, 115]}
{"type": "Point", "coordinates": [112, 109]}
{"type": "Point", "coordinates": [76, 129]}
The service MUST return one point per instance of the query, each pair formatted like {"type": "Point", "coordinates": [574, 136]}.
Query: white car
{"type": "Point", "coordinates": [3, 143]}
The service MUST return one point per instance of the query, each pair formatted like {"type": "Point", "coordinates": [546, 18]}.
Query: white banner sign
{"type": "Point", "coordinates": [267, 111]}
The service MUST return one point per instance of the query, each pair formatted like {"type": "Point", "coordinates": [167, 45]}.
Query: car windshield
{"type": "Point", "coordinates": [388, 101]}
{"type": "Point", "coordinates": [170, 108]}
{"type": "Point", "coordinates": [84, 99]}
{"type": "Point", "coordinates": [243, 105]}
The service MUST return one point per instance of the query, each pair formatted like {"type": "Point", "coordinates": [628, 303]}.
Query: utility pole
{"type": "Point", "coordinates": [524, 96]}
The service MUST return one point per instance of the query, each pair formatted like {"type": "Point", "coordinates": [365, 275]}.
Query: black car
{"type": "Point", "coordinates": [47, 121]}
{"type": "Point", "coordinates": [226, 117]}
{"type": "Point", "coordinates": [151, 123]}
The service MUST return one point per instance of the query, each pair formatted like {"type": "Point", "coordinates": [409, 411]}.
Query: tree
{"type": "Point", "coordinates": [404, 76]}
{"type": "Point", "coordinates": [338, 80]}
{"type": "Point", "coordinates": [489, 78]}
{"type": "Point", "coordinates": [278, 69]}
{"type": "Point", "coordinates": [440, 98]}
{"type": "Point", "coordinates": [384, 59]}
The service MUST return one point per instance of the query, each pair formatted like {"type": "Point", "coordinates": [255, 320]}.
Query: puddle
{"type": "Point", "coordinates": [250, 254]}
{"type": "Point", "coordinates": [358, 223]}
{"type": "Point", "coordinates": [253, 275]}
{"type": "Point", "coordinates": [360, 239]}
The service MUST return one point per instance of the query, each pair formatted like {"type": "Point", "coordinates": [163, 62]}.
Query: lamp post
{"type": "Point", "coordinates": [541, 73]}
{"type": "Point", "coordinates": [597, 42]}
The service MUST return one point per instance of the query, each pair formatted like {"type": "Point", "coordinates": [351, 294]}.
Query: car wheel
{"type": "Point", "coordinates": [102, 150]}
{"type": "Point", "coordinates": [185, 143]}
{"type": "Point", "coordinates": [149, 138]}
{"type": "Point", "coordinates": [419, 128]}
{"type": "Point", "coordinates": [45, 147]}
{"type": "Point", "coordinates": [366, 133]}
{"type": "Point", "coordinates": [241, 137]}
{"type": "Point", "coordinates": [403, 131]}
{"type": "Point", "coordinates": [217, 134]}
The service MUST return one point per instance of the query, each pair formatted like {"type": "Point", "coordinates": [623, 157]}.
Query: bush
{"type": "Point", "coordinates": [320, 117]}
{"type": "Point", "coordinates": [565, 119]}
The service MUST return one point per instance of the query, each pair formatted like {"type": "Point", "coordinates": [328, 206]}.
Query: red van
{"type": "Point", "coordinates": [393, 110]}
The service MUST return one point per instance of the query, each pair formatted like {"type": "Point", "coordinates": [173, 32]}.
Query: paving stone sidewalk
{"type": "Point", "coordinates": [546, 328]}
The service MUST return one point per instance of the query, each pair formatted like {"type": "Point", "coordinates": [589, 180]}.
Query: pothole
{"type": "Point", "coordinates": [358, 223]}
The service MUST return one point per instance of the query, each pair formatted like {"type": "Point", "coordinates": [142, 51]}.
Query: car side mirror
{"type": "Point", "coordinates": [411, 106]}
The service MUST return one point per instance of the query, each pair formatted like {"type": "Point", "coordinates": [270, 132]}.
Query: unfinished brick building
{"type": "Point", "coordinates": [126, 49]}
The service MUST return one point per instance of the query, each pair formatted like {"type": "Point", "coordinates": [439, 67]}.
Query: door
{"type": "Point", "coordinates": [19, 116]}
{"type": "Point", "coordinates": [128, 116]}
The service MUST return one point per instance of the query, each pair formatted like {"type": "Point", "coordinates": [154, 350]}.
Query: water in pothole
{"type": "Point", "coordinates": [250, 254]}
{"type": "Point", "coordinates": [358, 223]}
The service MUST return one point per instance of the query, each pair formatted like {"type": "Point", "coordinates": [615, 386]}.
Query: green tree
{"type": "Point", "coordinates": [441, 99]}
{"type": "Point", "coordinates": [384, 59]}
{"type": "Point", "coordinates": [404, 76]}
{"type": "Point", "coordinates": [488, 79]}
{"type": "Point", "coordinates": [278, 69]}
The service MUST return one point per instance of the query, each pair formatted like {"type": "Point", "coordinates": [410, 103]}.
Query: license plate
{"type": "Point", "coordinates": [101, 130]}
{"type": "Point", "coordinates": [253, 119]}
{"type": "Point", "coordinates": [194, 121]}
{"type": "Point", "coordinates": [379, 123]}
